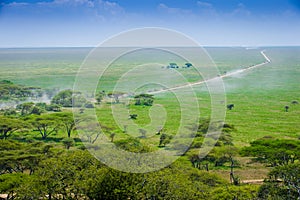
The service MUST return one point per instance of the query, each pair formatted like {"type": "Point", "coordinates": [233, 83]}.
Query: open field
{"type": "Point", "coordinates": [259, 95]}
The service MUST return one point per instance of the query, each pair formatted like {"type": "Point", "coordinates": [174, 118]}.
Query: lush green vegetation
{"type": "Point", "coordinates": [42, 156]}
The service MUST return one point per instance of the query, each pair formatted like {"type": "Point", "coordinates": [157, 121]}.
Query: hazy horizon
{"type": "Point", "coordinates": [86, 23]}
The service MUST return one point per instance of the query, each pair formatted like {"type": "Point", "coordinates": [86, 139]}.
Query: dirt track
{"type": "Point", "coordinates": [267, 61]}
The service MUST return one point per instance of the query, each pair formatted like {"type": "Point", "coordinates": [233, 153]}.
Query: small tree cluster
{"type": "Point", "coordinates": [144, 99]}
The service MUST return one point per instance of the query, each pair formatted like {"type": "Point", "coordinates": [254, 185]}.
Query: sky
{"type": "Point", "coordinates": [64, 23]}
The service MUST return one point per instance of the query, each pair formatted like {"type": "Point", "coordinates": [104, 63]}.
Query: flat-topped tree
{"type": "Point", "coordinates": [90, 131]}
{"type": "Point", "coordinates": [63, 98]}
{"type": "Point", "coordinates": [26, 108]}
{"type": "Point", "coordinates": [295, 102]}
{"type": "Point", "coordinates": [45, 124]}
{"type": "Point", "coordinates": [11, 125]}
{"type": "Point", "coordinates": [144, 99]}
{"type": "Point", "coordinates": [69, 98]}
{"type": "Point", "coordinates": [69, 123]}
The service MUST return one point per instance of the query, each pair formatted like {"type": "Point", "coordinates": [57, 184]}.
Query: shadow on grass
{"type": "Point", "coordinates": [46, 140]}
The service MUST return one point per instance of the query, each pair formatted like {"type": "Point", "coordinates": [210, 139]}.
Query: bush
{"type": "Point", "coordinates": [68, 142]}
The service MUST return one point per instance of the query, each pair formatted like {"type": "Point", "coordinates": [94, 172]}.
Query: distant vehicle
{"type": "Point", "coordinates": [172, 65]}
{"type": "Point", "coordinates": [188, 65]}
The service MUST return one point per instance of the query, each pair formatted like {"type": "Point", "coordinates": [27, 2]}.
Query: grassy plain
{"type": "Point", "coordinates": [259, 94]}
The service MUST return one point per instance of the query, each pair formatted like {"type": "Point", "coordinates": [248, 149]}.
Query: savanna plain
{"type": "Point", "coordinates": [51, 145]}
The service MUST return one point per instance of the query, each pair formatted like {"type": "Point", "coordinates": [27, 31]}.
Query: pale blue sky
{"type": "Point", "coordinates": [39, 23]}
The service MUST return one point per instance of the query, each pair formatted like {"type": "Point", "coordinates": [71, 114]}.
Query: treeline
{"type": "Point", "coordinates": [39, 171]}
{"type": "Point", "coordinates": [11, 91]}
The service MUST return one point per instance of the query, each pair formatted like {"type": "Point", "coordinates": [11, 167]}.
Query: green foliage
{"type": "Point", "coordinates": [164, 139]}
{"type": "Point", "coordinates": [144, 99]}
{"type": "Point", "coordinates": [274, 151]}
{"type": "Point", "coordinates": [78, 175]}
{"type": "Point", "coordinates": [68, 98]}
{"type": "Point", "coordinates": [45, 125]}
{"type": "Point", "coordinates": [10, 125]}
{"type": "Point", "coordinates": [26, 108]}
{"type": "Point", "coordinates": [9, 112]}
{"type": "Point", "coordinates": [100, 96]}
{"type": "Point", "coordinates": [11, 91]}
{"type": "Point", "coordinates": [67, 120]}
{"type": "Point", "coordinates": [244, 192]}
{"type": "Point", "coordinates": [217, 157]}
{"type": "Point", "coordinates": [132, 144]}
{"type": "Point", "coordinates": [9, 183]}
{"type": "Point", "coordinates": [63, 98]}
{"type": "Point", "coordinates": [68, 142]}
{"type": "Point", "coordinates": [272, 191]}
{"type": "Point", "coordinates": [288, 189]}
{"type": "Point", "coordinates": [53, 107]}
{"type": "Point", "coordinates": [19, 157]}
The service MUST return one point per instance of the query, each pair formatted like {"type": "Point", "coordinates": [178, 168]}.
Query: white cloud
{"type": "Point", "coordinates": [15, 4]}
{"type": "Point", "coordinates": [203, 4]}
{"type": "Point", "coordinates": [207, 9]}
{"type": "Point", "coordinates": [171, 10]}
{"type": "Point", "coordinates": [241, 10]}
{"type": "Point", "coordinates": [99, 10]}
{"type": "Point", "coordinates": [99, 7]}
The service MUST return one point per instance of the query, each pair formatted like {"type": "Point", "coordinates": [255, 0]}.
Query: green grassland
{"type": "Point", "coordinates": [259, 94]}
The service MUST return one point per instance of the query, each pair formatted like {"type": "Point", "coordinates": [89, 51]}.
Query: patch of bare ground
{"type": "Point", "coordinates": [249, 172]}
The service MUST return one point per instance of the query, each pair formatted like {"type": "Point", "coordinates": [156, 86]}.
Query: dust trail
{"type": "Point", "coordinates": [267, 61]}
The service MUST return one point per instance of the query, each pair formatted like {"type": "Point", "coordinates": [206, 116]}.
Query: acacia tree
{"type": "Point", "coordinates": [274, 152]}
{"type": "Point", "coordinates": [26, 108]}
{"type": "Point", "coordinates": [10, 125]}
{"type": "Point", "coordinates": [144, 99]}
{"type": "Point", "coordinates": [90, 131]}
{"type": "Point", "coordinates": [68, 121]}
{"type": "Point", "coordinates": [45, 124]}
{"type": "Point", "coordinates": [283, 183]}
{"type": "Point", "coordinates": [63, 98]}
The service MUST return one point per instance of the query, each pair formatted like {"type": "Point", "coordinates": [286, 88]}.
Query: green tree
{"type": "Point", "coordinates": [11, 125]}
{"type": "Point", "coordinates": [273, 151]}
{"type": "Point", "coordinates": [132, 144]}
{"type": "Point", "coordinates": [144, 99]}
{"type": "Point", "coordinates": [90, 131]}
{"type": "Point", "coordinates": [245, 192]}
{"type": "Point", "coordinates": [283, 183]}
{"type": "Point", "coordinates": [9, 183]}
{"type": "Point", "coordinates": [19, 157]}
{"type": "Point", "coordinates": [68, 121]}
{"type": "Point", "coordinates": [164, 139]}
{"type": "Point", "coordinates": [100, 96]}
{"type": "Point", "coordinates": [63, 98]}
{"type": "Point", "coordinates": [45, 124]}
{"type": "Point", "coordinates": [26, 108]}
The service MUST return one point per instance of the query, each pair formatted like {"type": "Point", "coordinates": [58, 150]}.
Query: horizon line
{"type": "Point", "coordinates": [205, 46]}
